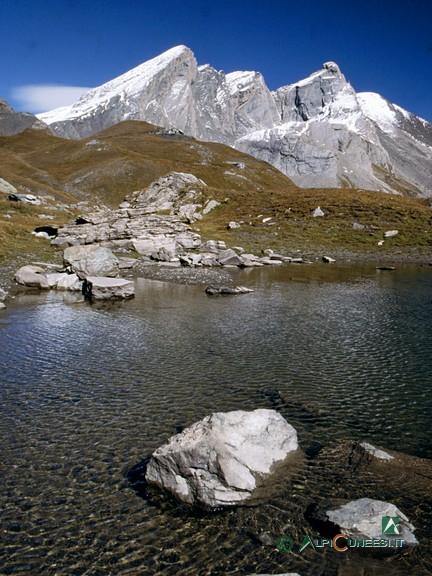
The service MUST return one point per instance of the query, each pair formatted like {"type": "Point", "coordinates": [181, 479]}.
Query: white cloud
{"type": "Point", "coordinates": [44, 97]}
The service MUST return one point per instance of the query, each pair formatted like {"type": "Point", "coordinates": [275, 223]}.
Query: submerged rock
{"type": "Point", "coordinates": [221, 460]}
{"type": "Point", "coordinates": [363, 518]}
{"type": "Point", "coordinates": [375, 452]}
{"type": "Point", "coordinates": [213, 290]}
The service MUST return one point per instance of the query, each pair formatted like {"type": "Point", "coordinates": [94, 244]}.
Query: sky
{"type": "Point", "coordinates": [53, 50]}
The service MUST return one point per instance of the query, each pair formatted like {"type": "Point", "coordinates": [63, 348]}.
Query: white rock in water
{"type": "Point", "coordinates": [221, 460]}
{"type": "Point", "coordinates": [363, 519]}
{"type": "Point", "coordinates": [100, 288]}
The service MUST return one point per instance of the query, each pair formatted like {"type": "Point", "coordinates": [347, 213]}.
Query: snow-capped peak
{"type": "Point", "coordinates": [128, 84]}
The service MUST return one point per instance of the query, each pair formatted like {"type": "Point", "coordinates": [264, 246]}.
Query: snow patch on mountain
{"type": "Point", "coordinates": [379, 110]}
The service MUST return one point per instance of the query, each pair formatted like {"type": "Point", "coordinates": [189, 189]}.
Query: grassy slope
{"type": "Point", "coordinates": [129, 156]}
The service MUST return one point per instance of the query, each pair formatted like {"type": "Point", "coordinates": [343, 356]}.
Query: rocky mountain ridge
{"type": "Point", "coordinates": [12, 122]}
{"type": "Point", "coordinates": [318, 131]}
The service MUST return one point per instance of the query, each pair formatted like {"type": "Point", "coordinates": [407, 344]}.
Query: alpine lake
{"type": "Point", "coordinates": [88, 392]}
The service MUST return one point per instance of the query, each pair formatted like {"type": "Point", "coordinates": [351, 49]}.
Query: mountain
{"type": "Point", "coordinates": [12, 122]}
{"type": "Point", "coordinates": [318, 131]}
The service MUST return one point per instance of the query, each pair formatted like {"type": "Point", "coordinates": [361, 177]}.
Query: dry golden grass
{"type": "Point", "coordinates": [128, 157]}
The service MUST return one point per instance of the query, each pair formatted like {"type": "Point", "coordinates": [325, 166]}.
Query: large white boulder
{"type": "Point", "coordinates": [91, 260]}
{"type": "Point", "coordinates": [32, 276]}
{"type": "Point", "coordinates": [222, 460]}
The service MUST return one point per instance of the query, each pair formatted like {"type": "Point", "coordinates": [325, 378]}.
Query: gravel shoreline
{"type": "Point", "coordinates": [225, 275]}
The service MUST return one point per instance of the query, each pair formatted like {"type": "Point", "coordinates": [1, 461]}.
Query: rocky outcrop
{"type": "Point", "coordinates": [98, 288]}
{"type": "Point", "coordinates": [171, 192]}
{"type": "Point", "coordinates": [12, 122]}
{"type": "Point", "coordinates": [318, 131]}
{"type": "Point", "coordinates": [221, 460]}
{"type": "Point", "coordinates": [136, 225]}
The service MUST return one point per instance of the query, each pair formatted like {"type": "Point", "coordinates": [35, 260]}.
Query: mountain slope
{"type": "Point", "coordinates": [317, 131]}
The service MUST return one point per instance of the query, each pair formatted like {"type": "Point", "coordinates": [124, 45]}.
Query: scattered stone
{"type": "Point", "coordinates": [391, 233]}
{"type": "Point", "coordinates": [32, 276]}
{"type": "Point", "coordinates": [264, 220]}
{"type": "Point", "coordinates": [229, 258]}
{"type": "Point", "coordinates": [357, 226]}
{"type": "Point", "coordinates": [102, 288]}
{"type": "Point", "coordinates": [209, 259]}
{"type": "Point", "coordinates": [209, 206]}
{"type": "Point", "coordinates": [363, 519]}
{"type": "Point", "coordinates": [297, 261]}
{"type": "Point", "coordinates": [42, 235]}
{"type": "Point", "coordinates": [221, 460]}
{"type": "Point", "coordinates": [233, 225]}
{"type": "Point", "coordinates": [127, 263]}
{"type": "Point", "coordinates": [213, 246]}
{"type": "Point", "coordinates": [270, 261]}
{"type": "Point", "coordinates": [328, 259]}
{"type": "Point", "coordinates": [91, 260]}
{"type": "Point", "coordinates": [238, 249]}
{"type": "Point", "coordinates": [45, 217]}
{"type": "Point", "coordinates": [375, 452]}
{"type": "Point", "coordinates": [190, 260]}
{"type": "Point", "coordinates": [213, 290]}
{"type": "Point", "coordinates": [317, 212]}
{"type": "Point", "coordinates": [24, 198]}
{"type": "Point", "coordinates": [162, 255]}
{"type": "Point", "coordinates": [2, 306]}
{"type": "Point", "coordinates": [381, 242]}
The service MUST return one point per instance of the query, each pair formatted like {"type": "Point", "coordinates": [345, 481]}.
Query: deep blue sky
{"type": "Point", "coordinates": [382, 46]}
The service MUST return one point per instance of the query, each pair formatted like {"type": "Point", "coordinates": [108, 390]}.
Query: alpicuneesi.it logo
{"type": "Point", "coordinates": [390, 525]}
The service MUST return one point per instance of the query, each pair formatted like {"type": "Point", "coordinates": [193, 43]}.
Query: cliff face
{"type": "Point", "coordinates": [318, 131]}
